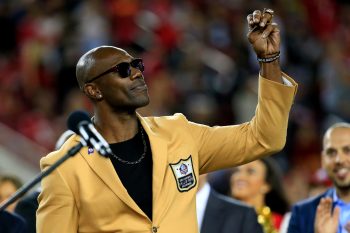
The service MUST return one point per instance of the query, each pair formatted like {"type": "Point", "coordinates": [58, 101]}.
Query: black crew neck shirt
{"type": "Point", "coordinates": [136, 178]}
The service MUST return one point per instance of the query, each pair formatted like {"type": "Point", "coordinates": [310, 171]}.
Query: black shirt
{"type": "Point", "coordinates": [136, 178]}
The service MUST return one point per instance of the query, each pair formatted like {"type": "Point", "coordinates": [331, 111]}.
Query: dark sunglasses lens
{"type": "Point", "coordinates": [124, 69]}
{"type": "Point", "coordinates": [138, 64]}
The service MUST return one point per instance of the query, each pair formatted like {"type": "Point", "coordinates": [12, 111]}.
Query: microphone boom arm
{"type": "Point", "coordinates": [25, 188]}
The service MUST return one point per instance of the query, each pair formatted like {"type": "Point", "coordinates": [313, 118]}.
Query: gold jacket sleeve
{"type": "Point", "coordinates": [263, 135]}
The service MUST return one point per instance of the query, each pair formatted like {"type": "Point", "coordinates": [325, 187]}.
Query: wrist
{"type": "Point", "coordinates": [271, 70]}
{"type": "Point", "coordinates": [269, 58]}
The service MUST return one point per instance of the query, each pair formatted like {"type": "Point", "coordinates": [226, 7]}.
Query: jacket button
{"type": "Point", "coordinates": [154, 229]}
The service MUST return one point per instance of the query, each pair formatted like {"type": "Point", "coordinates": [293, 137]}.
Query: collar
{"type": "Point", "coordinates": [335, 197]}
{"type": "Point", "coordinates": [337, 200]}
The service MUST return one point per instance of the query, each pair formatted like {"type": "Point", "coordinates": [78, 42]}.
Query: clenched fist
{"type": "Point", "coordinates": [264, 35]}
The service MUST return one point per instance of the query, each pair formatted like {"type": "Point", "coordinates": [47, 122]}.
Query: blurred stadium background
{"type": "Point", "coordinates": [197, 62]}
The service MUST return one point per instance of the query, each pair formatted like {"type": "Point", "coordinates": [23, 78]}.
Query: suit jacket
{"type": "Point", "coordinates": [226, 215]}
{"type": "Point", "coordinates": [26, 208]}
{"type": "Point", "coordinates": [303, 214]}
{"type": "Point", "coordinates": [11, 223]}
{"type": "Point", "coordinates": [85, 194]}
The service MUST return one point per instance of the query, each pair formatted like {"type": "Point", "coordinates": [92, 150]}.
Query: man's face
{"type": "Point", "coordinates": [336, 157]}
{"type": "Point", "coordinates": [122, 93]}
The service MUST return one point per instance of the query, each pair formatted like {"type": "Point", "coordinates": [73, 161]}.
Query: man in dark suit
{"type": "Point", "coordinates": [26, 208]}
{"type": "Point", "coordinates": [220, 214]}
{"type": "Point", "coordinates": [304, 213]}
{"type": "Point", "coordinates": [28, 205]}
{"type": "Point", "coordinates": [11, 223]}
{"type": "Point", "coordinates": [330, 211]}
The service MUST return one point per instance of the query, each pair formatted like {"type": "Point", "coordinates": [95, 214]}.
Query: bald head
{"type": "Point", "coordinates": [95, 62]}
{"type": "Point", "coordinates": [332, 128]}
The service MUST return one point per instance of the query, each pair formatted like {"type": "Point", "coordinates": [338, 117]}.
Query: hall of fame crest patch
{"type": "Point", "coordinates": [184, 174]}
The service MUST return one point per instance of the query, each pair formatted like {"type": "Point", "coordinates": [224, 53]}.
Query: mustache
{"type": "Point", "coordinates": [338, 167]}
{"type": "Point", "coordinates": [140, 83]}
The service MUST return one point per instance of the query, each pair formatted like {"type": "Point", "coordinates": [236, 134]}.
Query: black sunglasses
{"type": "Point", "coordinates": [123, 69]}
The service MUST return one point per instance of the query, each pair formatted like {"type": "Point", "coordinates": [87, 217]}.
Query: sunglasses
{"type": "Point", "coordinates": [123, 69]}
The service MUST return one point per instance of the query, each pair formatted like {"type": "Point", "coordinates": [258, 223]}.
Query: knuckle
{"type": "Point", "coordinates": [257, 12]}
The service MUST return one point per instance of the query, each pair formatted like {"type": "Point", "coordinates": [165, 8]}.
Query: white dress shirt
{"type": "Point", "coordinates": [201, 202]}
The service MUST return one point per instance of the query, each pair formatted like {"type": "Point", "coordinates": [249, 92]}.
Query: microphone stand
{"type": "Point", "coordinates": [25, 188]}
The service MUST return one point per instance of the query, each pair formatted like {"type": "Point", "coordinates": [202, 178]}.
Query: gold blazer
{"type": "Point", "coordinates": [86, 195]}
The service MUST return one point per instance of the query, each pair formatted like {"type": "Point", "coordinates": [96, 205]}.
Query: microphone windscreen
{"type": "Point", "coordinates": [75, 118]}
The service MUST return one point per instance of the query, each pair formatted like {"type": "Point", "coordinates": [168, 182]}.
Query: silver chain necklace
{"type": "Point", "coordinates": [139, 159]}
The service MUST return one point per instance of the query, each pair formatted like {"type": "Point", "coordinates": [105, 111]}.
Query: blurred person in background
{"type": "Point", "coordinates": [28, 205]}
{"type": "Point", "coordinates": [125, 191]}
{"type": "Point", "coordinates": [9, 185]}
{"type": "Point", "coordinates": [220, 214]}
{"type": "Point", "coordinates": [328, 212]}
{"type": "Point", "coordinates": [12, 223]}
{"type": "Point", "coordinates": [26, 208]}
{"type": "Point", "coordinates": [259, 184]}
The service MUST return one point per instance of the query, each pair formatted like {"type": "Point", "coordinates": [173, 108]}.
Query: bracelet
{"type": "Point", "coordinates": [269, 59]}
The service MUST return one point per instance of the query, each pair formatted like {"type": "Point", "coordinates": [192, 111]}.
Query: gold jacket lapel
{"type": "Point", "coordinates": [103, 168]}
{"type": "Point", "coordinates": [159, 157]}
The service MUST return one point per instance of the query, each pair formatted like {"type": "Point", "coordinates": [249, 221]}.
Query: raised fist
{"type": "Point", "coordinates": [264, 35]}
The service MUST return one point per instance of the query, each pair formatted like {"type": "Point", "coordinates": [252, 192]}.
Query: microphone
{"type": "Point", "coordinates": [80, 123]}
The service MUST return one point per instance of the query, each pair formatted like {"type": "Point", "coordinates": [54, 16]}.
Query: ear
{"type": "Point", "coordinates": [92, 91]}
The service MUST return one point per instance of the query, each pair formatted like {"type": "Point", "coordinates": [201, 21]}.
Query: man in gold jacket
{"type": "Point", "coordinates": [149, 182]}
